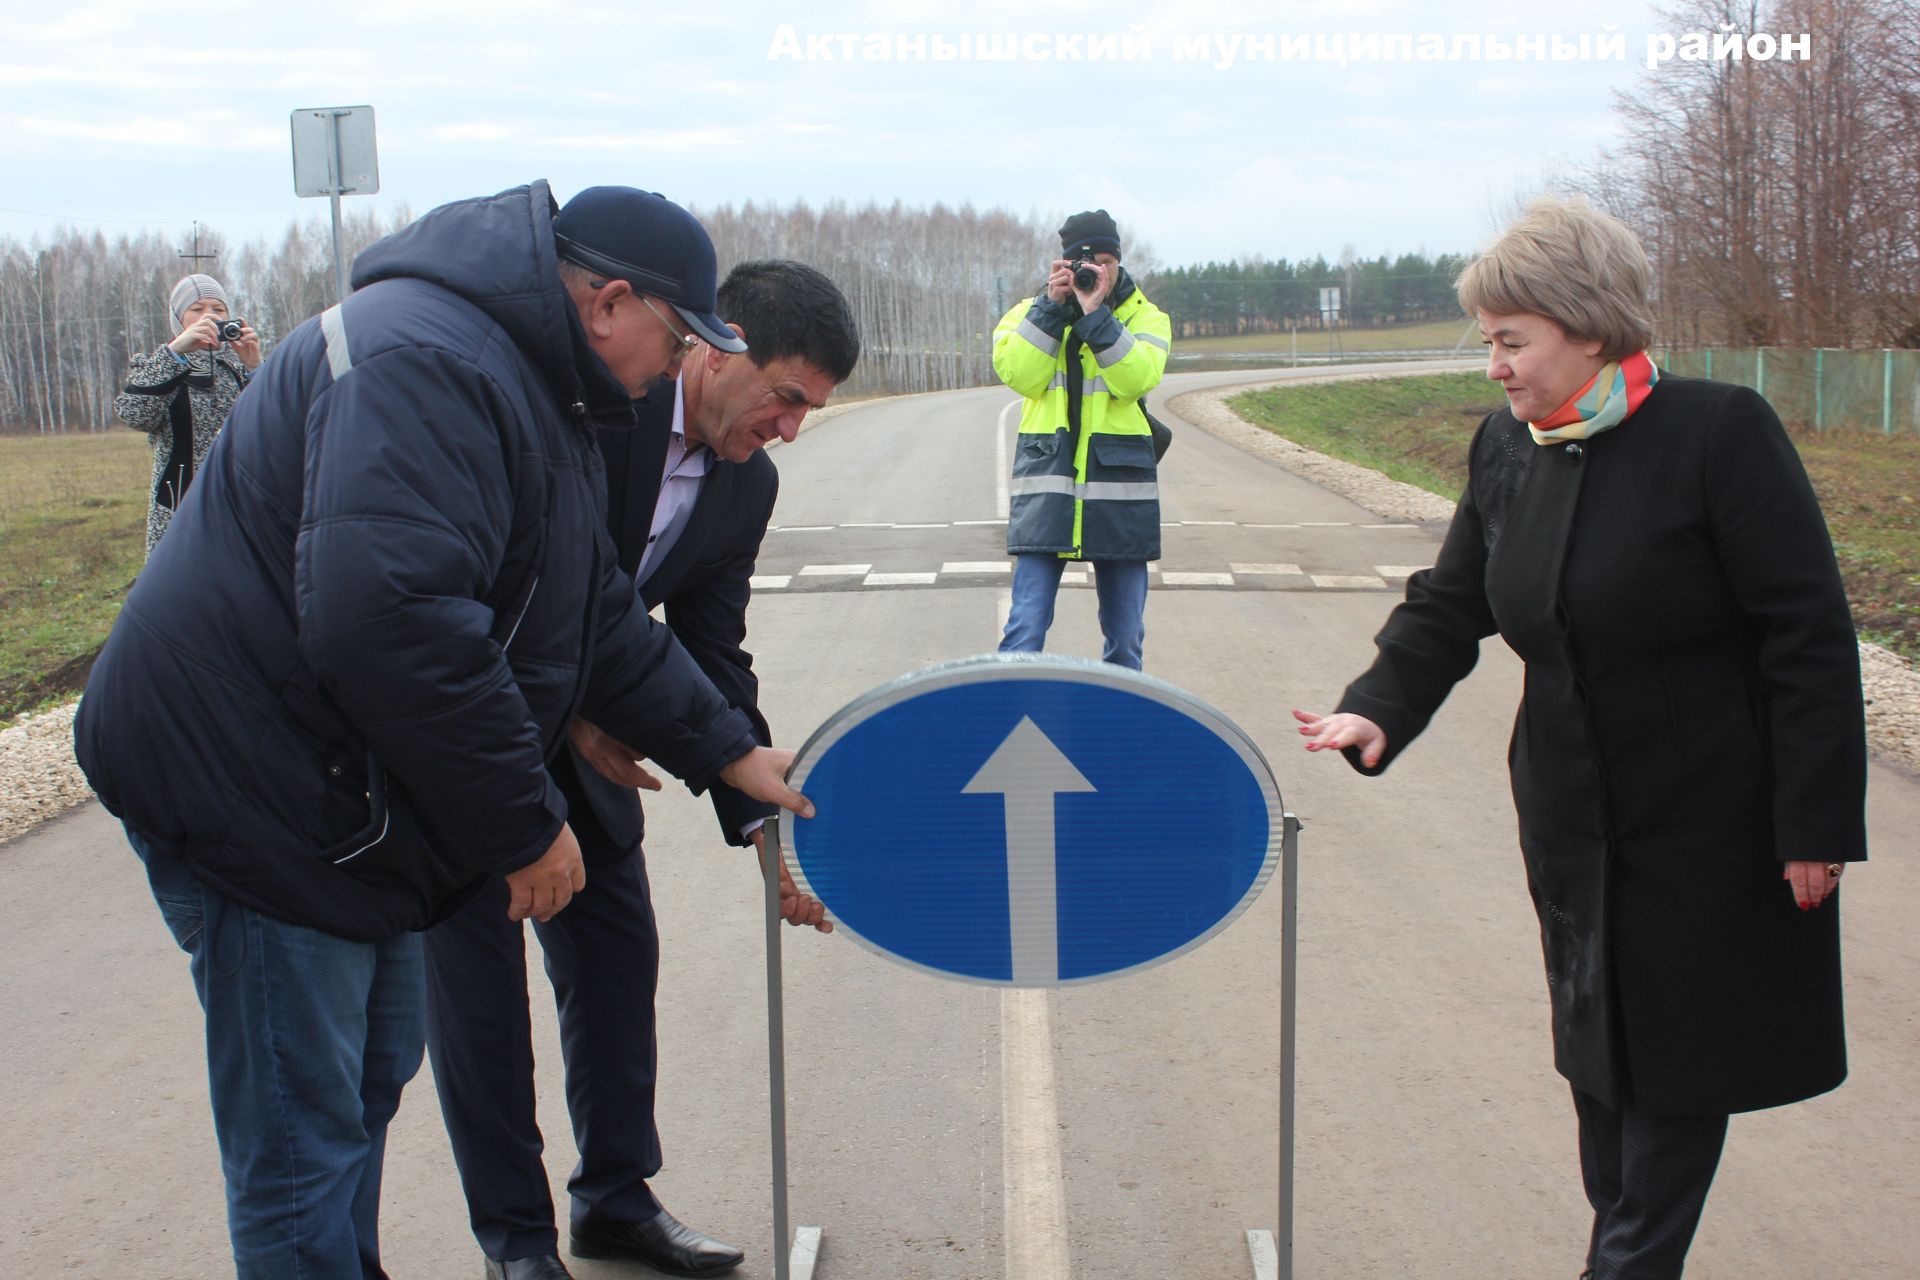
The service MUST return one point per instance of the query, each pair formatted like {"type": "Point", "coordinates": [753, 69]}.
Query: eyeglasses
{"type": "Point", "coordinates": [686, 340]}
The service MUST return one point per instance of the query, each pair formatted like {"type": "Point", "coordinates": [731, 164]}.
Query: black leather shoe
{"type": "Point", "coordinates": [663, 1242]}
{"type": "Point", "coordinates": [545, 1267]}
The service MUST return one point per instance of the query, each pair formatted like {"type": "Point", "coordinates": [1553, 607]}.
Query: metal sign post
{"type": "Point", "coordinates": [333, 156]}
{"type": "Point", "coordinates": [1026, 769]}
{"type": "Point", "coordinates": [806, 1242]}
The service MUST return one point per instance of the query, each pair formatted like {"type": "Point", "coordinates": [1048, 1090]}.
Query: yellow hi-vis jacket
{"type": "Point", "coordinates": [1091, 493]}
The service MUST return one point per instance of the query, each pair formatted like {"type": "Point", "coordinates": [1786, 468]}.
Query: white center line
{"type": "Point", "coordinates": [1033, 1185]}
{"type": "Point", "coordinates": [835, 570]}
{"type": "Point", "coordinates": [1035, 1192]}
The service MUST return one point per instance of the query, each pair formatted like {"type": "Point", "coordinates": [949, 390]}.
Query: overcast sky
{"type": "Point", "coordinates": [122, 115]}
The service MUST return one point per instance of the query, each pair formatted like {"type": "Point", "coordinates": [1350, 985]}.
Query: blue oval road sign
{"type": "Point", "coordinates": [1025, 820]}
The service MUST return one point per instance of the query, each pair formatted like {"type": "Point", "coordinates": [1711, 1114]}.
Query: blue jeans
{"type": "Point", "coordinates": [1121, 586]}
{"type": "Point", "coordinates": [310, 1039]}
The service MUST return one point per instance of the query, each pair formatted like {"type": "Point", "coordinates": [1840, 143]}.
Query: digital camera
{"type": "Point", "coordinates": [229, 330]}
{"type": "Point", "coordinates": [1086, 275]}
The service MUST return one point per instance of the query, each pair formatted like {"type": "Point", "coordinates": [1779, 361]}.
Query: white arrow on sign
{"type": "Point", "coordinates": [1029, 771]}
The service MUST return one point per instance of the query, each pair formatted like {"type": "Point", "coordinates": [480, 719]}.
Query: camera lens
{"type": "Point", "coordinates": [1085, 278]}
{"type": "Point", "coordinates": [230, 330]}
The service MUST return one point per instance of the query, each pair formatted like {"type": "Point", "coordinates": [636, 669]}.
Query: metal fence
{"type": "Point", "coordinates": [1825, 389]}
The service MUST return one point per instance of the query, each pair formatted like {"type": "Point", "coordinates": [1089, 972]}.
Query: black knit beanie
{"type": "Point", "coordinates": [1091, 232]}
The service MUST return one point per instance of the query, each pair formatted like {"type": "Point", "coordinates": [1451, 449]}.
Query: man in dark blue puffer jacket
{"type": "Point", "coordinates": [325, 711]}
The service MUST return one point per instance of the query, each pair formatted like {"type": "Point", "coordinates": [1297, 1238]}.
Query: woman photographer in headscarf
{"type": "Point", "coordinates": [1689, 758]}
{"type": "Point", "coordinates": [180, 392]}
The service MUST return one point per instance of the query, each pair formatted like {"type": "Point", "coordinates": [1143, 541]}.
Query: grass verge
{"type": "Point", "coordinates": [73, 518]}
{"type": "Point", "coordinates": [1417, 429]}
{"type": "Point", "coordinates": [1432, 335]}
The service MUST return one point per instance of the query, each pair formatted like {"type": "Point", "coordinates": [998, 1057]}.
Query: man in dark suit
{"type": "Point", "coordinates": [690, 494]}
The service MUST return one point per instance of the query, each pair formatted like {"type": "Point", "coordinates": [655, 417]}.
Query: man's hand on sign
{"type": "Point", "coordinates": [796, 908]}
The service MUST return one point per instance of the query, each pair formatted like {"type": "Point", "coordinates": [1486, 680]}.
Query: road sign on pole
{"type": "Point", "coordinates": [991, 820]}
{"type": "Point", "coordinates": [333, 156]}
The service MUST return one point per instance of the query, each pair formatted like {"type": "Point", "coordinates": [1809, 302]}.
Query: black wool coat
{"type": "Point", "coordinates": [1692, 718]}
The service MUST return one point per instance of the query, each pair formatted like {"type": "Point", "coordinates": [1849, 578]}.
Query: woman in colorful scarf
{"type": "Point", "coordinates": [1689, 758]}
{"type": "Point", "coordinates": [181, 392]}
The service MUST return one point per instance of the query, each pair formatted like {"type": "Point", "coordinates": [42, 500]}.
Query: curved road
{"type": "Point", "coordinates": [1121, 1130]}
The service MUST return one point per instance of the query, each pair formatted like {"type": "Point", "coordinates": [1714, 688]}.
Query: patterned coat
{"type": "Point", "coordinates": [212, 381]}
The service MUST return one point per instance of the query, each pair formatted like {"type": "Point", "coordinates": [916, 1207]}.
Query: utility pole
{"type": "Point", "coordinates": [196, 255]}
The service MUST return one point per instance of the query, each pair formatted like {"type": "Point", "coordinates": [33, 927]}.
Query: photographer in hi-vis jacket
{"type": "Point", "coordinates": [1085, 481]}
{"type": "Point", "coordinates": [181, 392]}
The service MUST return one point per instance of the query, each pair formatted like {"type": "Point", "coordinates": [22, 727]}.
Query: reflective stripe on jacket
{"type": "Point", "coordinates": [1092, 494]}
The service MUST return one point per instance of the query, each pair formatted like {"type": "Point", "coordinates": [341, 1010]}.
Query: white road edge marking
{"type": "Point", "coordinates": [769, 581]}
{"type": "Point", "coordinates": [1399, 570]}
{"type": "Point", "coordinates": [1265, 568]}
{"type": "Point", "coordinates": [899, 579]}
{"type": "Point", "coordinates": [977, 566]}
{"type": "Point", "coordinates": [835, 570]}
{"type": "Point", "coordinates": [1340, 581]}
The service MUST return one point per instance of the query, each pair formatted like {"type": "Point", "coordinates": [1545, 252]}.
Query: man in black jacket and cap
{"type": "Point", "coordinates": [325, 711]}
{"type": "Point", "coordinates": [690, 493]}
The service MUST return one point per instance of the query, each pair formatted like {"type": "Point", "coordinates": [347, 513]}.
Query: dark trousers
{"type": "Point", "coordinates": [1647, 1179]}
{"type": "Point", "coordinates": [602, 957]}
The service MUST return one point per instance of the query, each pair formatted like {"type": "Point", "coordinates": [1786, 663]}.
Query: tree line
{"type": "Point", "coordinates": [1260, 296]}
{"type": "Point", "coordinates": [926, 286]}
{"type": "Point", "coordinates": [1779, 201]}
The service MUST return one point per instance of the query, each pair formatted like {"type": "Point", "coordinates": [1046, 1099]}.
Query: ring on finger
{"type": "Point", "coordinates": [1833, 870]}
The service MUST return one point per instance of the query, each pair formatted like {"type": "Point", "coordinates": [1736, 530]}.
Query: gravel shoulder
{"type": "Point", "coordinates": [39, 779]}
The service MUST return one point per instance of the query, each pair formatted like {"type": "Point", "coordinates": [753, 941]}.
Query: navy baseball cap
{"type": "Point", "coordinates": [654, 245]}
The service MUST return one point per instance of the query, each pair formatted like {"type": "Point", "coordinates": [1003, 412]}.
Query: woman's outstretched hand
{"type": "Point", "coordinates": [1343, 729]}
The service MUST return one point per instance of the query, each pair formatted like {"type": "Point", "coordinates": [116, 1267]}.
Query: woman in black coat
{"type": "Point", "coordinates": [1689, 757]}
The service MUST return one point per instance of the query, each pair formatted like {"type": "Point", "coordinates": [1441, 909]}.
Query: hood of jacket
{"type": "Point", "coordinates": [497, 252]}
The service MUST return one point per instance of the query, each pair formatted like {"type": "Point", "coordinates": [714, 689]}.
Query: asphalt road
{"type": "Point", "coordinates": [1120, 1130]}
